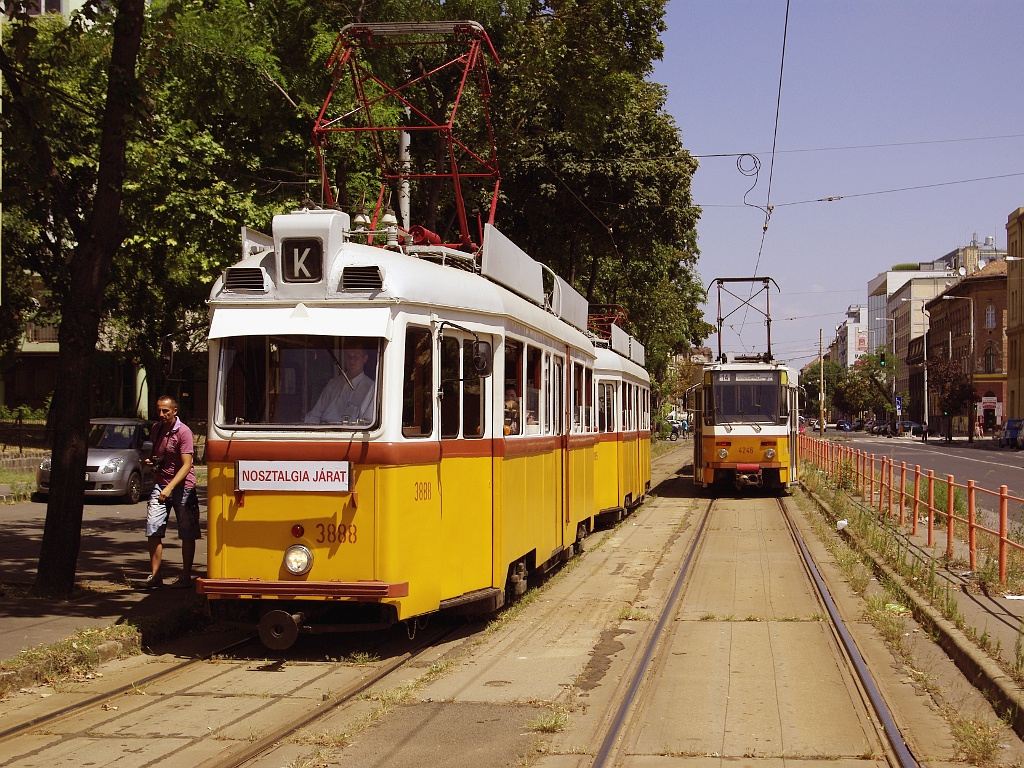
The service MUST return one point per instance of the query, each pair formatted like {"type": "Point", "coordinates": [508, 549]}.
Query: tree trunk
{"type": "Point", "coordinates": [91, 263]}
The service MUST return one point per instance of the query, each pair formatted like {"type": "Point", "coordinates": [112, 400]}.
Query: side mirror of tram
{"type": "Point", "coordinates": [482, 358]}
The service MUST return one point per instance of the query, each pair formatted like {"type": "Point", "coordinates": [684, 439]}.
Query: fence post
{"type": "Point", "coordinates": [1003, 533]}
{"type": "Point", "coordinates": [931, 507]}
{"type": "Point", "coordinates": [903, 493]}
{"type": "Point", "coordinates": [871, 481]}
{"type": "Point", "coordinates": [892, 464]}
{"type": "Point", "coordinates": [861, 480]}
{"type": "Point", "coordinates": [950, 511]}
{"type": "Point", "coordinates": [972, 535]}
{"type": "Point", "coordinates": [917, 493]}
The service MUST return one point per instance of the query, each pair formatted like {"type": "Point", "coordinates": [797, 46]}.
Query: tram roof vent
{"type": "Point", "coordinates": [246, 279]}
{"type": "Point", "coordinates": [362, 279]}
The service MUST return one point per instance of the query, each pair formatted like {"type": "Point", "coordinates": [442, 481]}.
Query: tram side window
{"type": "Point", "coordinates": [602, 407]}
{"type": "Point", "coordinates": [417, 384]}
{"type": "Point", "coordinates": [627, 407]}
{"type": "Point", "coordinates": [557, 406]}
{"type": "Point", "coordinates": [534, 385]}
{"type": "Point", "coordinates": [450, 387]}
{"type": "Point", "coordinates": [577, 397]}
{"type": "Point", "coordinates": [472, 396]}
{"type": "Point", "coordinates": [513, 423]}
{"type": "Point", "coordinates": [588, 393]}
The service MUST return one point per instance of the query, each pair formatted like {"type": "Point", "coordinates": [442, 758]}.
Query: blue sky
{"type": "Point", "coordinates": [936, 79]}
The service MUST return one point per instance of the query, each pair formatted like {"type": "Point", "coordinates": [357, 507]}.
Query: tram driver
{"type": "Point", "coordinates": [350, 397]}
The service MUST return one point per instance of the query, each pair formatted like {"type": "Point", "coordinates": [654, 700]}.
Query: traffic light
{"type": "Point", "coordinates": [881, 359]}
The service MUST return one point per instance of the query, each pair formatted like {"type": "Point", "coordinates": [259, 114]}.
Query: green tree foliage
{"type": "Point", "coordinates": [953, 390]}
{"type": "Point", "coordinates": [83, 223]}
{"type": "Point", "coordinates": [810, 380]}
{"type": "Point", "coordinates": [214, 126]}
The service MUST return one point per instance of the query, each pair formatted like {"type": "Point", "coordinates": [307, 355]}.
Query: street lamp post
{"type": "Point", "coordinates": [970, 359]}
{"type": "Point", "coordinates": [924, 334]}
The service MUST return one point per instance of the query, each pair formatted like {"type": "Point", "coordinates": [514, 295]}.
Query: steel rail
{"type": "Point", "coordinates": [892, 731]}
{"type": "Point", "coordinates": [616, 727]}
{"type": "Point", "coordinates": [100, 698]}
{"type": "Point", "coordinates": [254, 749]}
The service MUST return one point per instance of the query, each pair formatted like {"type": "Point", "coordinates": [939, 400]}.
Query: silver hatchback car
{"type": "Point", "coordinates": [114, 466]}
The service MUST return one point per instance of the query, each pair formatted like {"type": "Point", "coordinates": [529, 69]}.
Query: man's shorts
{"type": "Point", "coordinates": [185, 503]}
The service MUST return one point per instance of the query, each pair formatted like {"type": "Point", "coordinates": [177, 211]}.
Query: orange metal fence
{"type": "Point", "coordinates": [896, 490]}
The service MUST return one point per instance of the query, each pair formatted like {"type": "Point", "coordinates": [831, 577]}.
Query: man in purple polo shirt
{"type": "Point", "coordinates": [173, 449]}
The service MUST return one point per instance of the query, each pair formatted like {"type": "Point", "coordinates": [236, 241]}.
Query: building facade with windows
{"type": "Point", "coordinates": [1015, 313]}
{"type": "Point", "coordinates": [968, 324]}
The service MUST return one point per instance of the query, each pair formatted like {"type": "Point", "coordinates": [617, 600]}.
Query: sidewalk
{"type": "Point", "coordinates": [113, 558]}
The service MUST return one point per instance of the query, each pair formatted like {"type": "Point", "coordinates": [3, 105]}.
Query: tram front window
{"type": "Point", "coordinates": [746, 397]}
{"type": "Point", "coordinates": [300, 381]}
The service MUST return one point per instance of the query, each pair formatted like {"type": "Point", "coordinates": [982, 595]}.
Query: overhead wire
{"type": "Point", "coordinates": [767, 210]}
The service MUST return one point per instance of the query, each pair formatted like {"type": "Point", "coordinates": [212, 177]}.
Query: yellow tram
{"type": "Point", "coordinates": [493, 432]}
{"type": "Point", "coordinates": [746, 426]}
{"type": "Point", "coordinates": [401, 425]}
{"type": "Point", "coordinates": [745, 410]}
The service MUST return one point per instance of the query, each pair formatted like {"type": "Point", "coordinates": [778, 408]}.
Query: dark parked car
{"type": "Point", "coordinates": [1008, 437]}
{"type": "Point", "coordinates": [858, 424]}
{"type": "Point", "coordinates": [114, 465]}
{"type": "Point", "coordinates": [843, 425]}
{"type": "Point", "coordinates": [908, 428]}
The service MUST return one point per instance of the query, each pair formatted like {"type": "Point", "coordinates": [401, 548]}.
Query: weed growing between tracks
{"type": "Point", "coordinates": [977, 738]}
{"type": "Point", "coordinates": [73, 659]}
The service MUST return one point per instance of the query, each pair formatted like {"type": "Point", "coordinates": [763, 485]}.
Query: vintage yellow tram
{"type": "Point", "coordinates": [495, 429]}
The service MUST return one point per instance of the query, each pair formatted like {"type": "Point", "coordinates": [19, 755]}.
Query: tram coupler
{"type": "Point", "coordinates": [279, 629]}
{"type": "Point", "coordinates": [748, 475]}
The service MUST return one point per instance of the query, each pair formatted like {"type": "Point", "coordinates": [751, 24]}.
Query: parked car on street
{"type": "Point", "coordinates": [114, 465]}
{"type": "Point", "coordinates": [1009, 437]}
{"type": "Point", "coordinates": [907, 427]}
{"type": "Point", "coordinates": [844, 426]}
{"type": "Point", "coordinates": [858, 424]}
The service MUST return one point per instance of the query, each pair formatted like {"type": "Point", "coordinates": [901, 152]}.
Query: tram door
{"type": "Point", "coordinates": [465, 470]}
{"type": "Point", "coordinates": [695, 405]}
{"type": "Point", "coordinates": [793, 395]}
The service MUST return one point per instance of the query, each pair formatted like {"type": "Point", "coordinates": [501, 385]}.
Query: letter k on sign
{"type": "Point", "coordinates": [302, 260]}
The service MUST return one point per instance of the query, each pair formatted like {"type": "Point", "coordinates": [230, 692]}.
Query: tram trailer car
{"type": "Point", "coordinates": [622, 455]}
{"type": "Point", "coordinates": [472, 456]}
{"type": "Point", "coordinates": [746, 426]}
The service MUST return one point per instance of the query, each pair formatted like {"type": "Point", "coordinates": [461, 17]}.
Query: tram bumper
{"type": "Point", "coordinates": [255, 588]}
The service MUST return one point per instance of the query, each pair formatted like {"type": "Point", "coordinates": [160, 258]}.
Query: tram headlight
{"type": "Point", "coordinates": [298, 559]}
{"type": "Point", "coordinates": [770, 453]}
{"type": "Point", "coordinates": [722, 453]}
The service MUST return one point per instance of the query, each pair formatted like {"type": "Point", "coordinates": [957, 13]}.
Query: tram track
{"type": "Point", "coordinates": [625, 722]}
{"type": "Point", "coordinates": [213, 701]}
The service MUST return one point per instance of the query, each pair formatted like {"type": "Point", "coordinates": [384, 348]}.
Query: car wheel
{"type": "Point", "coordinates": [134, 491]}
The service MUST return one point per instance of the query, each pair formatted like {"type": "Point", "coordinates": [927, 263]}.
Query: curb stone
{"type": "Point", "coordinates": [979, 669]}
{"type": "Point", "coordinates": [35, 674]}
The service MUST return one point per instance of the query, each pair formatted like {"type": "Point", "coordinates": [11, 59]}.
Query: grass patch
{"type": "Point", "coordinates": [71, 659]}
{"type": "Point", "coordinates": [629, 613]}
{"type": "Point", "coordinates": [555, 721]}
{"type": "Point", "coordinates": [977, 739]}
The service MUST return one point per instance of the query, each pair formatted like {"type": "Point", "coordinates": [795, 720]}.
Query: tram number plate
{"type": "Point", "coordinates": [336, 534]}
{"type": "Point", "coordinates": [422, 491]}
{"type": "Point", "coordinates": [746, 450]}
